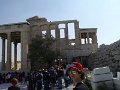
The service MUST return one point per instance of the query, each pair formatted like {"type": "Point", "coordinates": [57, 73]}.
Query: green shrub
{"type": "Point", "coordinates": [103, 86]}
{"type": "Point", "coordinates": [88, 83]}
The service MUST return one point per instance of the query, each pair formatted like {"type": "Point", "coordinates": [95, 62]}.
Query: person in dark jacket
{"type": "Point", "coordinates": [14, 83]}
{"type": "Point", "coordinates": [77, 75]}
{"type": "Point", "coordinates": [46, 80]}
{"type": "Point", "coordinates": [39, 81]}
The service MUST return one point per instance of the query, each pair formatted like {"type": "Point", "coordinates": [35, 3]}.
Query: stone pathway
{"type": "Point", "coordinates": [6, 85]}
{"type": "Point", "coordinates": [24, 87]}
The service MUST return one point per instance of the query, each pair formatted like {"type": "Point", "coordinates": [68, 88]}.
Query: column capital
{"type": "Point", "coordinates": [8, 33]}
{"type": "Point", "coordinates": [2, 38]}
{"type": "Point", "coordinates": [56, 25]}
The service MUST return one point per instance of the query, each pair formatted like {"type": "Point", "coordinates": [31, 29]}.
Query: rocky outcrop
{"type": "Point", "coordinates": [106, 55]}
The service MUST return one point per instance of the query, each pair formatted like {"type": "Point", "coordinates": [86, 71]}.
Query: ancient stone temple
{"type": "Point", "coordinates": [83, 43]}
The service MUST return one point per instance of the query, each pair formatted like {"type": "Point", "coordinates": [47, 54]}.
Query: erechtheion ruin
{"type": "Point", "coordinates": [84, 43]}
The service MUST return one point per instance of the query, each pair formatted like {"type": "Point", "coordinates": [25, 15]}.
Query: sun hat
{"type": "Point", "coordinates": [76, 65]}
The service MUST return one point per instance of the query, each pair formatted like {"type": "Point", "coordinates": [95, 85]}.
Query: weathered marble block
{"type": "Point", "coordinates": [101, 70]}
{"type": "Point", "coordinates": [116, 83]}
{"type": "Point", "coordinates": [118, 75]}
{"type": "Point", "coordinates": [102, 77]}
{"type": "Point", "coordinates": [109, 84]}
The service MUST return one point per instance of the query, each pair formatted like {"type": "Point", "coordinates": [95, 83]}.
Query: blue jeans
{"type": "Point", "coordinates": [59, 82]}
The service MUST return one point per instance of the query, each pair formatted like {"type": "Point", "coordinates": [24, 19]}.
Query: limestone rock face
{"type": "Point", "coordinates": [107, 55]}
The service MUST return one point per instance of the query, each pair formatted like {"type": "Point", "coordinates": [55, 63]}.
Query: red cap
{"type": "Point", "coordinates": [76, 65]}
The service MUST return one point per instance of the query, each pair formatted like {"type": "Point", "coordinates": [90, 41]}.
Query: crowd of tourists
{"type": "Point", "coordinates": [49, 79]}
{"type": "Point", "coordinates": [6, 77]}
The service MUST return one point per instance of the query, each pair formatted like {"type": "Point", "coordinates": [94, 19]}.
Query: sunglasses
{"type": "Point", "coordinates": [73, 72]}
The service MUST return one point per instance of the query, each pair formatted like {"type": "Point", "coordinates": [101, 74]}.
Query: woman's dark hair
{"type": "Point", "coordinates": [14, 81]}
{"type": "Point", "coordinates": [82, 75]}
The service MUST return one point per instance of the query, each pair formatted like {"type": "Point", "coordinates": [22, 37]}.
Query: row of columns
{"type": "Point", "coordinates": [7, 65]}
{"type": "Point", "coordinates": [77, 34]}
{"type": "Point", "coordinates": [57, 33]}
{"type": "Point", "coordinates": [87, 40]}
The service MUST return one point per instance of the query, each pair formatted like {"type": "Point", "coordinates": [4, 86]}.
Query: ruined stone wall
{"type": "Point", "coordinates": [78, 43]}
{"type": "Point", "coordinates": [107, 55]}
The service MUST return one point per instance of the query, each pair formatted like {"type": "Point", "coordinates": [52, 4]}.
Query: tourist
{"type": "Point", "coordinates": [77, 75]}
{"type": "Point", "coordinates": [60, 75]}
{"type": "Point", "coordinates": [1, 79]}
{"type": "Point", "coordinates": [66, 77]}
{"type": "Point", "coordinates": [30, 84]}
{"type": "Point", "coordinates": [39, 80]}
{"type": "Point", "coordinates": [14, 83]}
{"type": "Point", "coordinates": [46, 80]}
{"type": "Point", "coordinates": [8, 77]}
{"type": "Point", "coordinates": [53, 77]}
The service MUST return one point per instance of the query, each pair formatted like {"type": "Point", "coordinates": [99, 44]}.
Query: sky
{"type": "Point", "coordinates": [101, 14]}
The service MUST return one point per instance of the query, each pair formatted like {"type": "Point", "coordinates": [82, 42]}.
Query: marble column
{"type": "Point", "coordinates": [3, 55]}
{"type": "Point", "coordinates": [57, 34]}
{"type": "Point", "coordinates": [48, 31]}
{"type": "Point", "coordinates": [15, 55]}
{"type": "Point", "coordinates": [80, 38]}
{"type": "Point", "coordinates": [85, 40]}
{"type": "Point", "coordinates": [24, 51]}
{"type": "Point", "coordinates": [76, 27]}
{"type": "Point", "coordinates": [94, 38]}
{"type": "Point", "coordinates": [8, 66]}
{"type": "Point", "coordinates": [88, 38]}
{"type": "Point", "coordinates": [66, 34]}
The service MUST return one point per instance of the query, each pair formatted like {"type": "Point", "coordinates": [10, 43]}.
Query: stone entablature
{"type": "Point", "coordinates": [13, 27]}
{"type": "Point", "coordinates": [83, 44]}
